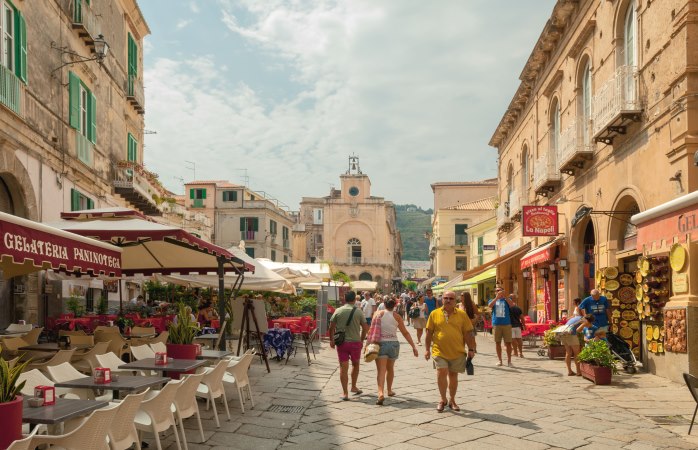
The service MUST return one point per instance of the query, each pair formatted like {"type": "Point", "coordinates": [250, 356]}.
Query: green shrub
{"type": "Point", "coordinates": [597, 353]}
{"type": "Point", "coordinates": [185, 330]}
{"type": "Point", "coordinates": [9, 388]}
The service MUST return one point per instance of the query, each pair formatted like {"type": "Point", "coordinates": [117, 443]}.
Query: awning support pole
{"type": "Point", "coordinates": [221, 300]}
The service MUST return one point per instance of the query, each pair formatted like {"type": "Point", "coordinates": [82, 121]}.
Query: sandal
{"type": "Point", "coordinates": [440, 406]}
{"type": "Point", "coordinates": [346, 399]}
{"type": "Point", "coordinates": [453, 406]}
{"type": "Point", "coordinates": [380, 401]}
{"type": "Point", "coordinates": [391, 394]}
{"type": "Point", "coordinates": [357, 392]}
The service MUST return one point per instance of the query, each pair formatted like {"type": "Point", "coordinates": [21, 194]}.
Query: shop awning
{"type": "Point", "coordinates": [486, 275]}
{"type": "Point", "coordinates": [439, 288]}
{"type": "Point", "coordinates": [542, 253]}
{"type": "Point", "coordinates": [29, 246]}
{"type": "Point", "coordinates": [449, 284]}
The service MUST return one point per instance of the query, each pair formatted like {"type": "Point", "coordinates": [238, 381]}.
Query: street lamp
{"type": "Point", "coordinates": [101, 49]}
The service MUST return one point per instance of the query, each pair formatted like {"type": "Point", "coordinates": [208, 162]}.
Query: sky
{"type": "Point", "coordinates": [277, 94]}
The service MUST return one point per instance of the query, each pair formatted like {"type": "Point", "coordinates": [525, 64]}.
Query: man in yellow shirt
{"type": "Point", "coordinates": [449, 329]}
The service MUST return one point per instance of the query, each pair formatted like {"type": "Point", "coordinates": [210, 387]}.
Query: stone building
{"type": "Point", "coordinates": [71, 117]}
{"type": "Point", "coordinates": [603, 126]}
{"type": "Point", "coordinates": [354, 231]}
{"type": "Point", "coordinates": [237, 213]}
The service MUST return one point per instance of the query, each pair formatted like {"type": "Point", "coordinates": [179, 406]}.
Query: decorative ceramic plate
{"type": "Point", "coordinates": [629, 315]}
{"type": "Point", "coordinates": [653, 347]}
{"type": "Point", "coordinates": [598, 276]}
{"type": "Point", "coordinates": [638, 292]}
{"type": "Point", "coordinates": [677, 257]}
{"type": "Point", "coordinates": [614, 329]}
{"type": "Point", "coordinates": [639, 261]}
{"type": "Point", "coordinates": [648, 310]}
{"type": "Point", "coordinates": [623, 323]}
{"type": "Point", "coordinates": [645, 269]}
{"type": "Point", "coordinates": [626, 294]}
{"type": "Point", "coordinates": [660, 347]}
{"type": "Point", "coordinates": [655, 332]}
{"type": "Point", "coordinates": [636, 337]}
{"type": "Point", "coordinates": [649, 329]}
{"type": "Point", "coordinates": [636, 351]}
{"type": "Point", "coordinates": [625, 279]}
{"type": "Point", "coordinates": [612, 285]}
{"type": "Point", "coordinates": [615, 314]}
{"type": "Point", "coordinates": [638, 277]}
{"type": "Point", "coordinates": [611, 272]}
{"type": "Point", "coordinates": [626, 332]}
{"type": "Point", "coordinates": [639, 308]}
{"type": "Point", "coordinates": [609, 295]}
{"type": "Point", "coordinates": [635, 324]}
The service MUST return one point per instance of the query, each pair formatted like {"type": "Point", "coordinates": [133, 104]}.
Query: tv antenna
{"type": "Point", "coordinates": [191, 165]}
{"type": "Point", "coordinates": [245, 177]}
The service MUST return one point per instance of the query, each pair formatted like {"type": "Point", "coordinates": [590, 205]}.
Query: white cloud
{"type": "Point", "coordinates": [414, 88]}
{"type": "Point", "coordinates": [194, 7]}
{"type": "Point", "coordinates": [182, 23]}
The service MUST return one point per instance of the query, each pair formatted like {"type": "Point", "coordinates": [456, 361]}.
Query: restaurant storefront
{"type": "Point", "coordinates": [545, 280]}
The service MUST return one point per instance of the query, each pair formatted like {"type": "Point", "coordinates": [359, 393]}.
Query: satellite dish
{"type": "Point", "coordinates": [241, 245]}
{"type": "Point", "coordinates": [581, 213]}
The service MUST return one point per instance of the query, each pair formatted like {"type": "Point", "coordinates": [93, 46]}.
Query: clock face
{"type": "Point", "coordinates": [353, 191]}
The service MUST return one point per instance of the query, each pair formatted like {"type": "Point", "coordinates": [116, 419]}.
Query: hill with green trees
{"type": "Point", "coordinates": [413, 222]}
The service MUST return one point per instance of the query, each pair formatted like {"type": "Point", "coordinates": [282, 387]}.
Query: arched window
{"type": "Point", "coordinates": [365, 276]}
{"type": "Point", "coordinates": [354, 251]}
{"type": "Point", "coordinates": [630, 36]}
{"type": "Point", "coordinates": [524, 172]}
{"type": "Point", "coordinates": [586, 104]}
{"type": "Point", "coordinates": [510, 188]}
{"type": "Point", "coordinates": [554, 134]}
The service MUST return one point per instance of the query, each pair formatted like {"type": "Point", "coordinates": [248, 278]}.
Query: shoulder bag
{"type": "Point", "coordinates": [339, 336]}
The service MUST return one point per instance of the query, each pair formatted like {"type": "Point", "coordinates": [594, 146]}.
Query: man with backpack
{"type": "Point", "coordinates": [501, 322]}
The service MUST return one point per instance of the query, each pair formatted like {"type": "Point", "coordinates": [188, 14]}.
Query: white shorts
{"type": "Point", "coordinates": [515, 333]}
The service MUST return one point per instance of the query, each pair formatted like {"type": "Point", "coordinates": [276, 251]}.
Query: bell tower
{"type": "Point", "coordinates": [356, 186]}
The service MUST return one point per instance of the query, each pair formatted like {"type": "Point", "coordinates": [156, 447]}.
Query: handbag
{"type": "Point", "coordinates": [339, 336]}
{"type": "Point", "coordinates": [371, 352]}
{"type": "Point", "coordinates": [414, 312]}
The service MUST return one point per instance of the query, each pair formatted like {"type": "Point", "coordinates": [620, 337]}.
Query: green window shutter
{"type": "Point", "coordinates": [461, 229]}
{"type": "Point", "coordinates": [242, 223]}
{"type": "Point", "coordinates": [91, 117]}
{"type": "Point", "coordinates": [20, 46]}
{"type": "Point", "coordinates": [74, 90]}
{"type": "Point", "coordinates": [74, 200]}
{"type": "Point", "coordinates": [191, 194]}
{"type": "Point", "coordinates": [203, 193]}
{"type": "Point", "coordinates": [235, 196]}
{"type": "Point", "coordinates": [255, 224]}
{"type": "Point", "coordinates": [132, 56]}
{"type": "Point", "coordinates": [479, 245]}
{"type": "Point", "coordinates": [90, 204]}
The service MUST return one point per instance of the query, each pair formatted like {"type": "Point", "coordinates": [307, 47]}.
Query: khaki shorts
{"type": "Point", "coordinates": [502, 331]}
{"type": "Point", "coordinates": [454, 365]}
{"type": "Point", "coordinates": [569, 340]}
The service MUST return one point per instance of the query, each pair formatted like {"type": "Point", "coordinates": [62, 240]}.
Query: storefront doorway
{"type": "Point", "coordinates": [588, 259]}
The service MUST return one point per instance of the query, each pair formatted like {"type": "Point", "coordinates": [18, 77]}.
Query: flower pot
{"type": "Point", "coordinates": [181, 351]}
{"type": "Point", "coordinates": [597, 374]}
{"type": "Point", "coordinates": [556, 351]}
{"type": "Point", "coordinates": [11, 429]}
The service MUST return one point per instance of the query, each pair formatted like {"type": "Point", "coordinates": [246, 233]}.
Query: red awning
{"type": "Point", "coordinates": [29, 246]}
{"type": "Point", "coordinates": [540, 254]}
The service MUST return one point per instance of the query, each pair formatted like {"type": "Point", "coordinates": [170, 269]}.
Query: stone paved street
{"type": "Point", "coordinates": [533, 405]}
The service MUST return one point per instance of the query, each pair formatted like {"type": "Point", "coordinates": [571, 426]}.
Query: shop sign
{"type": "Point", "coordinates": [679, 283]}
{"type": "Point", "coordinates": [489, 247]}
{"type": "Point", "coordinates": [540, 220]}
{"type": "Point", "coordinates": [666, 227]}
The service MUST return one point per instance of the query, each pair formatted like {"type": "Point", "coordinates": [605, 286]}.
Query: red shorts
{"type": "Point", "coordinates": [349, 350]}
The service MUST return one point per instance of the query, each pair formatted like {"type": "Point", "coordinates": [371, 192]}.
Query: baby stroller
{"type": "Point", "coordinates": [622, 352]}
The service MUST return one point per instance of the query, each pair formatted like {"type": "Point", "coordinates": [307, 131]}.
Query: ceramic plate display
{"type": "Point", "coordinates": [625, 279]}
{"type": "Point", "coordinates": [655, 332]}
{"type": "Point", "coordinates": [636, 337]}
{"type": "Point", "coordinates": [639, 261]}
{"type": "Point", "coordinates": [639, 307]}
{"type": "Point", "coordinates": [660, 347]}
{"type": "Point", "coordinates": [635, 325]}
{"type": "Point", "coordinates": [645, 269]}
{"type": "Point", "coordinates": [616, 302]}
{"type": "Point", "coordinates": [638, 277]}
{"type": "Point", "coordinates": [626, 333]}
{"type": "Point", "coordinates": [638, 292]}
{"type": "Point", "coordinates": [599, 275]}
{"type": "Point", "coordinates": [649, 329]}
{"type": "Point", "coordinates": [626, 294]}
{"type": "Point", "coordinates": [612, 285]}
{"type": "Point", "coordinates": [623, 323]}
{"type": "Point", "coordinates": [611, 272]}
{"type": "Point", "coordinates": [628, 315]}
{"type": "Point", "coordinates": [615, 314]}
{"type": "Point", "coordinates": [614, 329]}
{"type": "Point", "coordinates": [677, 257]}
{"type": "Point", "coordinates": [609, 295]}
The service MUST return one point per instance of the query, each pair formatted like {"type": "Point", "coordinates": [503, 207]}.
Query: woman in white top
{"type": "Point", "coordinates": [390, 347]}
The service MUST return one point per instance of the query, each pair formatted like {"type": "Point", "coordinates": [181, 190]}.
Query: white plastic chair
{"type": "Point", "coordinates": [17, 328]}
{"type": "Point", "coordinates": [185, 405]}
{"type": "Point", "coordinates": [66, 372]}
{"type": "Point", "coordinates": [158, 347]}
{"type": "Point", "coordinates": [26, 443]}
{"type": "Point", "coordinates": [86, 362]}
{"type": "Point", "coordinates": [32, 336]}
{"type": "Point", "coordinates": [91, 433]}
{"type": "Point", "coordinates": [211, 388]}
{"type": "Point", "coordinates": [155, 414]}
{"type": "Point", "coordinates": [142, 352]}
{"type": "Point", "coordinates": [34, 378]}
{"type": "Point", "coordinates": [112, 362]}
{"type": "Point", "coordinates": [237, 375]}
{"type": "Point", "coordinates": [61, 356]}
{"type": "Point", "coordinates": [122, 431]}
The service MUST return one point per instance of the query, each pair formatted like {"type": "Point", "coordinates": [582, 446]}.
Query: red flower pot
{"type": "Point", "coordinates": [11, 429]}
{"type": "Point", "coordinates": [597, 374]}
{"type": "Point", "coordinates": [181, 351]}
{"type": "Point", "coordinates": [556, 351]}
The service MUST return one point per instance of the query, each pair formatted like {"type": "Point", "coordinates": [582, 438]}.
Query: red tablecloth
{"type": "Point", "coordinates": [158, 322]}
{"type": "Point", "coordinates": [537, 328]}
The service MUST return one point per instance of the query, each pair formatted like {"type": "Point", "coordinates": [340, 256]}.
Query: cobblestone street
{"type": "Point", "coordinates": [533, 405]}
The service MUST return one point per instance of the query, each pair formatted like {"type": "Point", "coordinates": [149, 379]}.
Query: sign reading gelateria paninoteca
{"type": "Point", "coordinates": [540, 221]}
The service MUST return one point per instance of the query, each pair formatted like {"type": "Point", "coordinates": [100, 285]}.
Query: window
{"type": "Point", "coordinates": [524, 172]}
{"type": "Point", "coordinates": [510, 189]}
{"type": "Point", "coordinates": [132, 149]}
{"type": "Point", "coordinates": [132, 64]}
{"type": "Point", "coordinates": [250, 252]}
{"type": "Point", "coordinates": [273, 255]}
{"type": "Point", "coordinates": [318, 238]}
{"type": "Point", "coordinates": [630, 36]}
{"type": "Point", "coordinates": [230, 196]}
{"type": "Point", "coordinates": [13, 40]}
{"type": "Point", "coordinates": [285, 258]}
{"type": "Point", "coordinates": [83, 108]}
{"type": "Point", "coordinates": [317, 216]}
{"type": "Point", "coordinates": [461, 263]}
{"type": "Point", "coordinates": [586, 105]}
{"type": "Point", "coordinates": [249, 227]}
{"type": "Point", "coordinates": [480, 250]}
{"type": "Point", "coordinates": [198, 195]}
{"type": "Point", "coordinates": [79, 202]}
{"type": "Point", "coordinates": [284, 236]}
{"type": "Point", "coordinates": [554, 134]}
{"type": "Point", "coordinates": [461, 234]}
{"type": "Point", "coordinates": [272, 227]}
{"type": "Point", "coordinates": [354, 250]}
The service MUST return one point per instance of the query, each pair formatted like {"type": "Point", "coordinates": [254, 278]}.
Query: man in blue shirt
{"type": "Point", "coordinates": [597, 305]}
{"type": "Point", "coordinates": [501, 323]}
{"type": "Point", "coordinates": [430, 301]}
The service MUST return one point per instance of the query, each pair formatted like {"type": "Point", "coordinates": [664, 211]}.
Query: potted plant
{"type": "Point", "coordinates": [596, 362]}
{"type": "Point", "coordinates": [10, 403]}
{"type": "Point", "coordinates": [182, 332]}
{"type": "Point", "coordinates": [555, 347]}
{"type": "Point", "coordinates": [73, 305]}
{"type": "Point", "coordinates": [103, 306]}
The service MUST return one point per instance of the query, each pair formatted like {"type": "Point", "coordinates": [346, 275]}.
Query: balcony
{"type": "Point", "coordinates": [515, 206]}
{"type": "Point", "coordinates": [84, 149]}
{"type": "Point", "coordinates": [198, 203]}
{"type": "Point", "coordinates": [138, 187]}
{"type": "Point", "coordinates": [11, 91]}
{"type": "Point", "coordinates": [134, 93]}
{"type": "Point", "coordinates": [503, 221]}
{"type": "Point", "coordinates": [287, 243]}
{"type": "Point", "coordinates": [575, 147]}
{"type": "Point", "coordinates": [616, 105]}
{"type": "Point", "coordinates": [546, 177]}
{"type": "Point", "coordinates": [86, 22]}
{"type": "Point", "coordinates": [248, 236]}
{"type": "Point", "coordinates": [460, 239]}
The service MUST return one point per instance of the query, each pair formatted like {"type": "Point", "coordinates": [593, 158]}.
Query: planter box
{"type": "Point", "coordinates": [556, 351]}
{"type": "Point", "coordinates": [11, 413]}
{"type": "Point", "coordinates": [597, 374]}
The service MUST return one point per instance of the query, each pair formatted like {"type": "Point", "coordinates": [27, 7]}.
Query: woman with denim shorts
{"type": "Point", "coordinates": [390, 322]}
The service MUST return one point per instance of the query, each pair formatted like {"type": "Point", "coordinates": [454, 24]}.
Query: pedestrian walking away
{"type": "Point", "coordinates": [517, 326]}
{"type": "Point", "coordinates": [501, 323]}
{"type": "Point", "coordinates": [419, 317]}
{"type": "Point", "coordinates": [368, 305]}
{"type": "Point", "coordinates": [352, 324]}
{"type": "Point", "coordinates": [570, 339]}
{"type": "Point", "coordinates": [388, 322]}
{"type": "Point", "coordinates": [448, 332]}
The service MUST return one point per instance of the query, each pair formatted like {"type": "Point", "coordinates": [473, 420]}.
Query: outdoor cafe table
{"type": "Point", "coordinates": [64, 409]}
{"type": "Point", "coordinates": [124, 383]}
{"type": "Point", "coordinates": [213, 354]}
{"type": "Point", "coordinates": [176, 365]}
{"type": "Point", "coordinates": [211, 338]}
{"type": "Point", "coordinates": [286, 322]}
{"type": "Point", "coordinates": [53, 347]}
